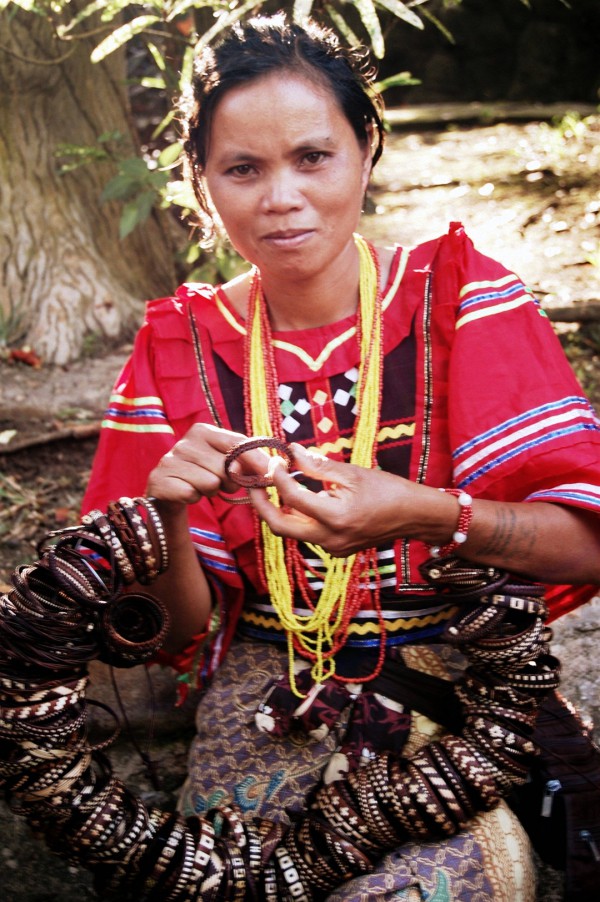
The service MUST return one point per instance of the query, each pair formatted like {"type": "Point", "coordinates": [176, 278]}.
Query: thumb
{"type": "Point", "coordinates": [316, 465]}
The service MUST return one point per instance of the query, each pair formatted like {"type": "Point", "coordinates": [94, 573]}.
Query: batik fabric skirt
{"type": "Point", "coordinates": [231, 761]}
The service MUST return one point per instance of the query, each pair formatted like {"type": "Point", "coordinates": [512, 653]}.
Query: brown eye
{"type": "Point", "coordinates": [242, 169]}
{"type": "Point", "coordinates": [314, 157]}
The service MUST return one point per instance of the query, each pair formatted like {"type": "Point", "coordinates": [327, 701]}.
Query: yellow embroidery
{"type": "Point", "coordinates": [345, 444]}
{"type": "Point", "coordinates": [477, 286]}
{"type": "Point", "coordinates": [135, 402]}
{"type": "Point", "coordinates": [356, 628]}
{"type": "Point", "coordinates": [314, 364]}
{"type": "Point", "coordinates": [133, 427]}
{"type": "Point", "coordinates": [492, 311]}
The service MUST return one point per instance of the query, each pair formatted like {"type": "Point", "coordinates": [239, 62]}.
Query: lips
{"type": "Point", "coordinates": [286, 233]}
{"type": "Point", "coordinates": [288, 237]}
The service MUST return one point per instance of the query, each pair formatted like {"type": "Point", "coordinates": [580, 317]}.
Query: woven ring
{"type": "Point", "coordinates": [249, 444]}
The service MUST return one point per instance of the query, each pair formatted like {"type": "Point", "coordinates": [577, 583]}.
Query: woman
{"type": "Point", "coordinates": [393, 373]}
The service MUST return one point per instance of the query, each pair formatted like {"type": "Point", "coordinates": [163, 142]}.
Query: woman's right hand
{"type": "Point", "coordinates": [195, 466]}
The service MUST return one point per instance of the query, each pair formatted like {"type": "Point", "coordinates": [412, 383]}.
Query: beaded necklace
{"type": "Point", "coordinates": [320, 634]}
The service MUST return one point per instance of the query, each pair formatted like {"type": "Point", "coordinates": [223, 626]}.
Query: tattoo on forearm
{"type": "Point", "coordinates": [509, 536]}
{"type": "Point", "coordinates": [500, 538]}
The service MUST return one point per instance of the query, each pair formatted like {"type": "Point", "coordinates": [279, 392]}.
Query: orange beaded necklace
{"type": "Point", "coordinates": [347, 583]}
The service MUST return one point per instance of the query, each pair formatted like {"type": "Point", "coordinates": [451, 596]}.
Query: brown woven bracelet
{"type": "Point", "coordinates": [250, 444]}
{"type": "Point", "coordinates": [66, 611]}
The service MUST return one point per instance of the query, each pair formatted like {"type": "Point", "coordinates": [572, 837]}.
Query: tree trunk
{"type": "Point", "coordinates": [66, 276]}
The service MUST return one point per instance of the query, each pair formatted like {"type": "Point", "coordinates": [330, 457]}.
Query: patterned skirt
{"type": "Point", "coordinates": [231, 761]}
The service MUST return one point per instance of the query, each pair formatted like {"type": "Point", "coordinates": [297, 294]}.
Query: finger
{"type": "Point", "coordinates": [292, 524]}
{"type": "Point", "coordinates": [183, 481]}
{"type": "Point", "coordinates": [206, 447]}
{"type": "Point", "coordinates": [202, 467]}
{"type": "Point", "coordinates": [194, 467]}
{"type": "Point", "coordinates": [316, 465]}
{"type": "Point", "coordinates": [215, 437]}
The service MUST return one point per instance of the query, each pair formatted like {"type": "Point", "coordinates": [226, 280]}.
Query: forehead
{"type": "Point", "coordinates": [275, 105]}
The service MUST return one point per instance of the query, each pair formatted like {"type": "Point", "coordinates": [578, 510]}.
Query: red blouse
{"type": "Point", "coordinates": [477, 393]}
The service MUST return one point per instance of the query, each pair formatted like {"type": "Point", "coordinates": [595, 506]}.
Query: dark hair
{"type": "Point", "coordinates": [268, 44]}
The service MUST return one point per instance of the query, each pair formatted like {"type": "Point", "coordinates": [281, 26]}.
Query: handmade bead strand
{"type": "Point", "coordinates": [321, 633]}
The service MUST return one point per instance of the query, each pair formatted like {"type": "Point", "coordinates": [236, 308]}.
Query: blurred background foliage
{"type": "Point", "coordinates": [160, 38]}
{"type": "Point", "coordinates": [426, 50]}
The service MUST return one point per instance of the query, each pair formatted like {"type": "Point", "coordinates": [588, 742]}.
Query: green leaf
{"type": "Point", "coordinates": [440, 26]}
{"type": "Point", "coordinates": [192, 253]}
{"type": "Point", "coordinates": [187, 68]}
{"type": "Point", "coordinates": [170, 155]}
{"type": "Point", "coordinates": [108, 10]}
{"type": "Point", "coordinates": [121, 187]}
{"type": "Point", "coordinates": [224, 21]}
{"type": "Point", "coordinates": [401, 79]}
{"type": "Point", "coordinates": [134, 168]}
{"type": "Point", "coordinates": [164, 123]}
{"type": "Point", "coordinates": [182, 7]}
{"type": "Point", "coordinates": [135, 212]}
{"type": "Point", "coordinates": [207, 273]}
{"type": "Point", "coordinates": [73, 156]}
{"type": "Point", "coordinates": [229, 262]}
{"type": "Point", "coordinates": [401, 11]}
{"type": "Point", "coordinates": [342, 26]}
{"type": "Point", "coordinates": [158, 179]}
{"type": "Point", "coordinates": [113, 135]}
{"type": "Point", "coordinates": [180, 194]}
{"type": "Point", "coordinates": [129, 220]}
{"type": "Point", "coordinates": [368, 14]}
{"type": "Point", "coordinates": [157, 82]}
{"type": "Point", "coordinates": [29, 6]}
{"type": "Point", "coordinates": [121, 35]}
{"type": "Point", "coordinates": [302, 10]}
{"type": "Point", "coordinates": [157, 56]}
{"type": "Point", "coordinates": [83, 14]}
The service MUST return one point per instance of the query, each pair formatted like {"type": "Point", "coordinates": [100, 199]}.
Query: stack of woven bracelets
{"type": "Point", "coordinates": [499, 627]}
{"type": "Point", "coordinates": [69, 608]}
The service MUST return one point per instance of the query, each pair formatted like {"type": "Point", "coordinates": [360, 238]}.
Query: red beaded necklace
{"type": "Point", "coordinates": [349, 582]}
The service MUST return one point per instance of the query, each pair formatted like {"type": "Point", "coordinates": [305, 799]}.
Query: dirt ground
{"type": "Point", "coordinates": [528, 194]}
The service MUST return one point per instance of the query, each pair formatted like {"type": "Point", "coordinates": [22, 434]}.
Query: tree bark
{"type": "Point", "coordinates": [66, 275]}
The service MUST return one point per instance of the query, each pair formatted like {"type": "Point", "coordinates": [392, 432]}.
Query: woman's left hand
{"type": "Point", "coordinates": [361, 508]}
{"type": "Point", "coordinates": [358, 508]}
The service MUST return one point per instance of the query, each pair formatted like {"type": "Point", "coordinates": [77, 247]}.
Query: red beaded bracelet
{"type": "Point", "coordinates": [462, 528]}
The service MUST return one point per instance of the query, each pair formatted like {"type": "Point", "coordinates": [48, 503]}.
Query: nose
{"type": "Point", "coordinates": [281, 192]}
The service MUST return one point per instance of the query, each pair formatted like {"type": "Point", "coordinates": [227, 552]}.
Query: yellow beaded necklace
{"type": "Point", "coordinates": [321, 633]}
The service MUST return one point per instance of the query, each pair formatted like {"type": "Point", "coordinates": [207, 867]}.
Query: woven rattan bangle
{"type": "Point", "coordinates": [255, 481]}
{"type": "Point", "coordinates": [67, 610]}
{"type": "Point", "coordinates": [159, 532]}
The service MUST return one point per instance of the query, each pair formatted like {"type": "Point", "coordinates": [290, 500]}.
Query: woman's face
{"type": "Point", "coordinates": [286, 174]}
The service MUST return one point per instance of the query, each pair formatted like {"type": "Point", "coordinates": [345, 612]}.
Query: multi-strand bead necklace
{"type": "Point", "coordinates": [347, 581]}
